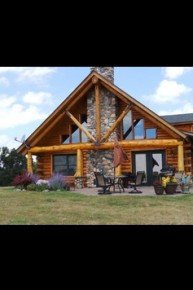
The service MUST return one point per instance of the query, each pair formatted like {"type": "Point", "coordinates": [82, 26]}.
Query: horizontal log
{"type": "Point", "coordinates": [104, 146]}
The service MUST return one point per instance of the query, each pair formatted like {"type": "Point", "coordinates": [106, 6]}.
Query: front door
{"type": "Point", "coordinates": [150, 162]}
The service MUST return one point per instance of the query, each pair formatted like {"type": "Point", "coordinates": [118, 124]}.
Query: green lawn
{"type": "Point", "coordinates": [70, 208]}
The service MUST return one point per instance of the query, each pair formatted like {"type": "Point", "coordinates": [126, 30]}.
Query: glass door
{"type": "Point", "coordinates": [150, 163]}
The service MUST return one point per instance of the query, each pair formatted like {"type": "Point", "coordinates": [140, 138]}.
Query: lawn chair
{"type": "Point", "coordinates": [101, 181]}
{"type": "Point", "coordinates": [137, 183]}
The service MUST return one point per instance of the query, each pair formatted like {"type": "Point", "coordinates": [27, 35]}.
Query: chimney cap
{"type": "Point", "coordinates": [105, 71]}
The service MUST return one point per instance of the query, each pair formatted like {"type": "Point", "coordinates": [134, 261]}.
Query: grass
{"type": "Point", "coordinates": [70, 208]}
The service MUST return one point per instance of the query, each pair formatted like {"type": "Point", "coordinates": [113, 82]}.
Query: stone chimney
{"type": "Point", "coordinates": [101, 160]}
{"type": "Point", "coordinates": [107, 72]}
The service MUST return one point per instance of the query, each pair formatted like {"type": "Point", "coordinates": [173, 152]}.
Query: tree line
{"type": "Point", "coordinates": [11, 164]}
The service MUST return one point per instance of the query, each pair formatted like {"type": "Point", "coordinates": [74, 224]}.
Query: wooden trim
{"type": "Point", "coordinates": [98, 113]}
{"type": "Point", "coordinates": [108, 145]}
{"type": "Point", "coordinates": [80, 126]}
{"type": "Point", "coordinates": [116, 123]}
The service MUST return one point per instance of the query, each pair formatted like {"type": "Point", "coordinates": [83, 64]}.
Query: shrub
{"type": "Point", "coordinates": [57, 182]}
{"type": "Point", "coordinates": [32, 187]}
{"type": "Point", "coordinates": [23, 180]}
{"type": "Point", "coordinates": [36, 187]}
{"type": "Point", "coordinates": [42, 187]}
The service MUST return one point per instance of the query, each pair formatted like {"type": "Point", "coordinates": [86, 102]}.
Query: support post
{"type": "Point", "coordinates": [79, 168]}
{"type": "Point", "coordinates": [118, 171]}
{"type": "Point", "coordinates": [29, 163]}
{"type": "Point", "coordinates": [180, 157]}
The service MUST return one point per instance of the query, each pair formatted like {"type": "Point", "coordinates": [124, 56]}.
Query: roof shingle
{"type": "Point", "coordinates": [181, 118]}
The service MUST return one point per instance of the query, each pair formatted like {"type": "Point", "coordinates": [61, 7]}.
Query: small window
{"type": "Point", "coordinates": [151, 133]}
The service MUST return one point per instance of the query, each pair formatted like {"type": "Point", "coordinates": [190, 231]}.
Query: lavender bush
{"type": "Point", "coordinates": [57, 182]}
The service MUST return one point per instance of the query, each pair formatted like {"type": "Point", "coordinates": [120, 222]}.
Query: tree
{"type": "Point", "coordinates": [11, 164]}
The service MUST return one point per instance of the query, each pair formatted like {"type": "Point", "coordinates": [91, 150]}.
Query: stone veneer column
{"type": "Point", "coordinates": [101, 160]}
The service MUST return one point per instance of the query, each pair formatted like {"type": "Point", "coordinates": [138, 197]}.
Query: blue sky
{"type": "Point", "coordinates": [29, 94]}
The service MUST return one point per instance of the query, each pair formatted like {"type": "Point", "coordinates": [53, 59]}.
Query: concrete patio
{"type": "Point", "coordinates": [146, 191]}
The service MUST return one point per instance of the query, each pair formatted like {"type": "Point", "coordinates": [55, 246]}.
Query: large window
{"type": "Point", "coordinates": [75, 134]}
{"type": "Point", "coordinates": [64, 164]}
{"type": "Point", "coordinates": [127, 127]}
{"type": "Point", "coordinates": [139, 129]}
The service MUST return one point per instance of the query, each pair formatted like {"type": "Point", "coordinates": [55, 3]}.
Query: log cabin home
{"type": "Point", "coordinates": [78, 137]}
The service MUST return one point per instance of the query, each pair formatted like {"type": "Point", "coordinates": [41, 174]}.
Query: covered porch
{"type": "Point", "coordinates": [132, 145]}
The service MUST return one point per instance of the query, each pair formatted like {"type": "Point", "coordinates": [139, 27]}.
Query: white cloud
{"type": "Point", "coordinates": [6, 102]}
{"type": "Point", "coordinates": [169, 91]}
{"type": "Point", "coordinates": [37, 98]}
{"type": "Point", "coordinates": [8, 141]}
{"type": "Point", "coordinates": [4, 81]}
{"type": "Point", "coordinates": [13, 114]}
{"type": "Point", "coordinates": [35, 73]}
{"type": "Point", "coordinates": [32, 74]}
{"type": "Point", "coordinates": [11, 69]}
{"type": "Point", "coordinates": [185, 109]}
{"type": "Point", "coordinates": [175, 72]}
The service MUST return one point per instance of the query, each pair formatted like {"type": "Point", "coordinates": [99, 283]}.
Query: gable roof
{"type": "Point", "coordinates": [76, 95]}
{"type": "Point", "coordinates": [180, 118]}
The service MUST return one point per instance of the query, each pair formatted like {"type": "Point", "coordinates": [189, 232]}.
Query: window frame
{"type": "Point", "coordinates": [67, 161]}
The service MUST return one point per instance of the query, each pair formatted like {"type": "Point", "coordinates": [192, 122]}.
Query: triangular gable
{"type": "Point", "coordinates": [77, 94]}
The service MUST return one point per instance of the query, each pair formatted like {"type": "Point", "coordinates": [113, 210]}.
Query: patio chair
{"type": "Point", "coordinates": [101, 181]}
{"type": "Point", "coordinates": [137, 183]}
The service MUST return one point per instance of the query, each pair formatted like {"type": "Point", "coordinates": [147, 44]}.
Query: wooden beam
{"type": "Point", "coordinates": [80, 126]}
{"type": "Point", "coordinates": [29, 162]}
{"type": "Point", "coordinates": [180, 157]}
{"type": "Point", "coordinates": [98, 113]}
{"type": "Point", "coordinates": [108, 145]}
{"type": "Point", "coordinates": [79, 166]}
{"type": "Point", "coordinates": [120, 118]}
